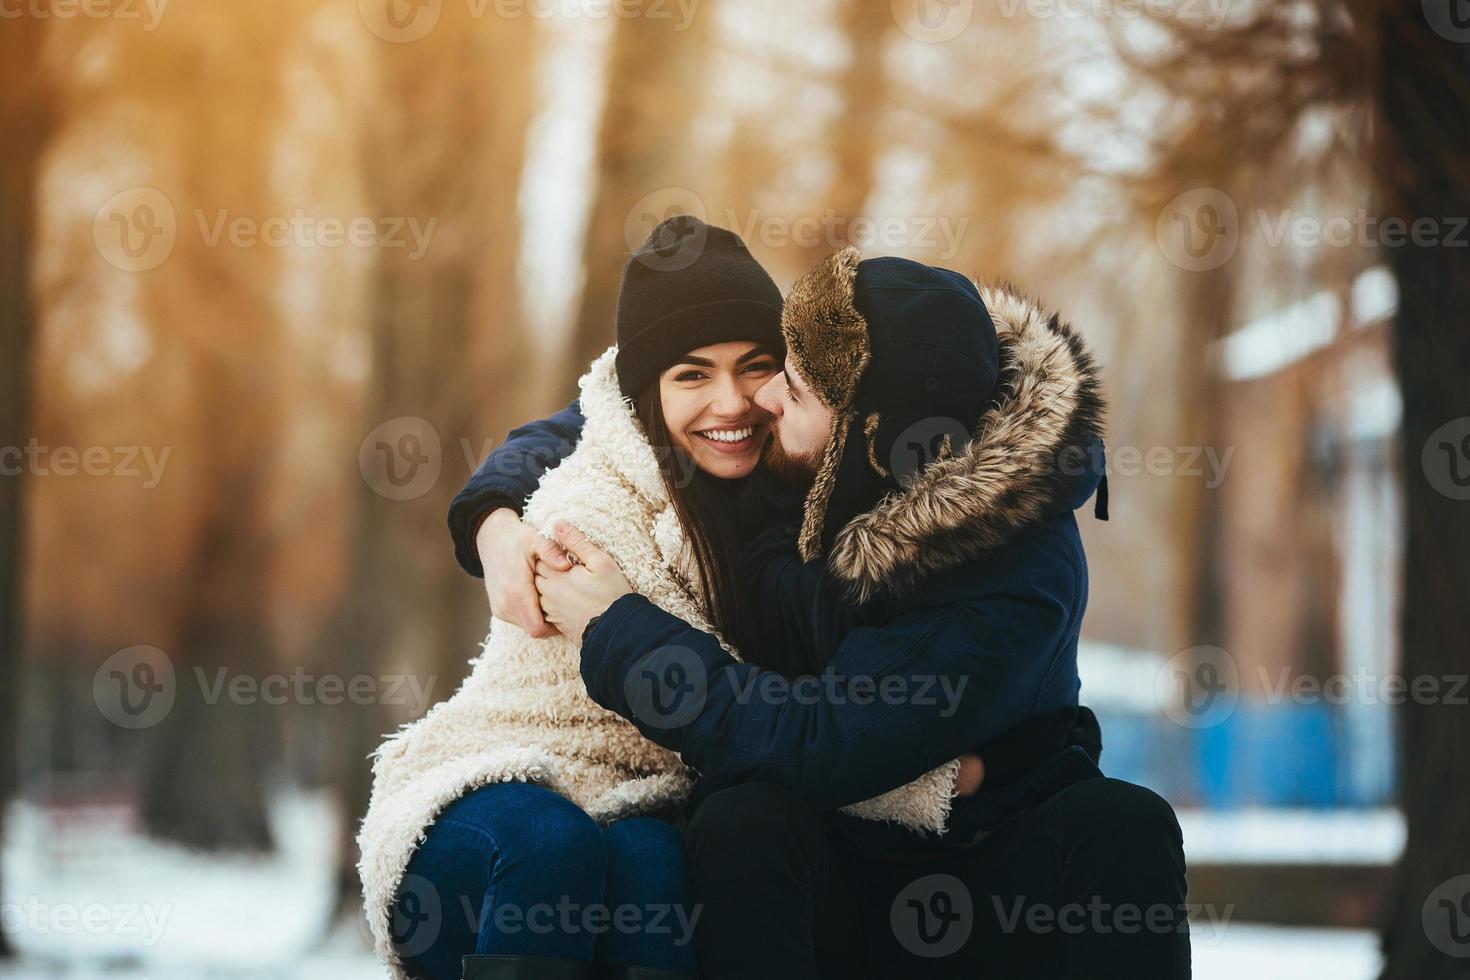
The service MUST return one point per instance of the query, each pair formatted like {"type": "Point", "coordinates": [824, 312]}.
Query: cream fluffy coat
{"type": "Point", "coordinates": [523, 712]}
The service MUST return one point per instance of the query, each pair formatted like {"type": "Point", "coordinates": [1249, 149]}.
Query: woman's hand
{"type": "Point", "coordinates": [972, 773]}
{"type": "Point", "coordinates": [572, 599]}
{"type": "Point", "coordinates": [509, 550]}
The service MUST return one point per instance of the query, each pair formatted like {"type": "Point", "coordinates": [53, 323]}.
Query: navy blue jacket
{"type": "Point", "coordinates": [987, 648]}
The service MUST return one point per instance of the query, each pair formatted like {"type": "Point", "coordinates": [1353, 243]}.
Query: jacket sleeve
{"type": "Point", "coordinates": [895, 701]}
{"type": "Point", "coordinates": [803, 612]}
{"type": "Point", "coordinates": [509, 475]}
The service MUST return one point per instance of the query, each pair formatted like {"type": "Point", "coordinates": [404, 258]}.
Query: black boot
{"type": "Point", "coordinates": [640, 973]}
{"type": "Point", "coordinates": [524, 968]}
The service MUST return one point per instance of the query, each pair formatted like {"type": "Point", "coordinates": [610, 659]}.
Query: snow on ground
{"type": "Point", "coordinates": [1261, 836]}
{"type": "Point", "coordinates": [92, 899]}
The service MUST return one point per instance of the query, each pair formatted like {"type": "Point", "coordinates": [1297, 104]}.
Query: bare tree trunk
{"type": "Point", "coordinates": [653, 93]}
{"type": "Point", "coordinates": [859, 130]}
{"type": "Point", "coordinates": [449, 347]}
{"type": "Point", "coordinates": [1205, 309]}
{"type": "Point", "coordinates": [24, 127]}
{"type": "Point", "coordinates": [1425, 114]}
{"type": "Point", "coordinates": [203, 783]}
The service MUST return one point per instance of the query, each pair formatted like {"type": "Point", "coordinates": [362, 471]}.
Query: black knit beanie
{"type": "Point", "coordinates": [690, 285]}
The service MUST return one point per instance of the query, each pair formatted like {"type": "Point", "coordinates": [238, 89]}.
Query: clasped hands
{"type": "Point", "coordinates": [561, 584]}
{"type": "Point", "coordinates": [576, 591]}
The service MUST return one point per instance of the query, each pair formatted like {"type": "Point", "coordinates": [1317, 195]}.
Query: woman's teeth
{"type": "Point", "coordinates": [729, 435]}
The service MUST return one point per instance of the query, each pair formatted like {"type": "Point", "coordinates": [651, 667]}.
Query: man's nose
{"type": "Point", "coordinates": [769, 397]}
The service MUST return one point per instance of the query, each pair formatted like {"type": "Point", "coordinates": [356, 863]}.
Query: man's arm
{"type": "Point", "coordinates": [894, 703]}
{"type": "Point", "coordinates": [508, 476]}
{"type": "Point", "coordinates": [803, 614]}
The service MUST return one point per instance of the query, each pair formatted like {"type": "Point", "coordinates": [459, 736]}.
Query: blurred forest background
{"type": "Point", "coordinates": [276, 276]}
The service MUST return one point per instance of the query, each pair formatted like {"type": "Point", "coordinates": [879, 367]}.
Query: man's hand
{"type": "Point", "coordinates": [572, 599]}
{"type": "Point", "coordinates": [972, 773]}
{"type": "Point", "coordinates": [509, 550]}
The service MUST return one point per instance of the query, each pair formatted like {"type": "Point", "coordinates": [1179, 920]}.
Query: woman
{"type": "Point", "coordinates": [510, 824]}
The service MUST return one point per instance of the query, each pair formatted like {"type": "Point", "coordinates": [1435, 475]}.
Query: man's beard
{"type": "Point", "coordinates": [797, 470]}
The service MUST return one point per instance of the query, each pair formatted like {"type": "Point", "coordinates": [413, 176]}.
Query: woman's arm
{"type": "Point", "coordinates": [508, 476]}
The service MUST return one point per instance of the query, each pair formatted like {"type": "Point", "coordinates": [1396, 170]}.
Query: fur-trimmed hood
{"type": "Point", "coordinates": [1036, 447]}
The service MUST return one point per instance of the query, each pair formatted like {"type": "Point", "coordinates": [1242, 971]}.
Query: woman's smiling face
{"type": "Point", "coordinates": [708, 401]}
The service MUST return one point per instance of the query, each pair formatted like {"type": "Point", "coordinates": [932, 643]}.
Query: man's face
{"type": "Point", "coordinates": [800, 423]}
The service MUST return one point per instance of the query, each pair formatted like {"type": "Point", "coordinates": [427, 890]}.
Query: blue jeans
{"type": "Point", "coordinates": [514, 869]}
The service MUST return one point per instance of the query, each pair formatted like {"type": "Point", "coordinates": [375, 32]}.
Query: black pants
{"type": "Point", "coordinates": [1089, 883]}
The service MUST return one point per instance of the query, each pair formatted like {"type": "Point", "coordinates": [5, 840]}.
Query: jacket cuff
{"type": "Point", "coordinates": [598, 640]}
{"type": "Point", "coordinates": [467, 510]}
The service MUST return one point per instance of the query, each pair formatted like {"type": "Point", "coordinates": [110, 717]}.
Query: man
{"type": "Point", "coordinates": [972, 573]}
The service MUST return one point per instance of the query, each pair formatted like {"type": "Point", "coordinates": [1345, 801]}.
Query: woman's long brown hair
{"type": "Point", "coordinates": [708, 511]}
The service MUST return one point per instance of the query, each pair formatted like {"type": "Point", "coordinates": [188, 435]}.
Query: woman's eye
{"type": "Point", "coordinates": [761, 367]}
{"type": "Point", "coordinates": [690, 376]}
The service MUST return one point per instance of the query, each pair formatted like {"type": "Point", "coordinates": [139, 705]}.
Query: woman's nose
{"type": "Point", "coordinates": [731, 401]}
